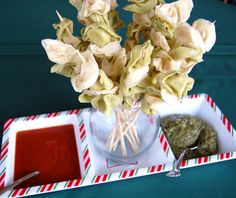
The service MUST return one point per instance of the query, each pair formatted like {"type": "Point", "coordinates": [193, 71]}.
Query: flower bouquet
{"type": "Point", "coordinates": [151, 68]}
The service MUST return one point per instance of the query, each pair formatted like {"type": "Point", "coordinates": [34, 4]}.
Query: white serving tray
{"type": "Point", "coordinates": [97, 169]}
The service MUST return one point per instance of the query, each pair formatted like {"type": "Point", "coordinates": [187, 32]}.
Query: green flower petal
{"type": "Point", "coordinates": [138, 65]}
{"type": "Point", "coordinates": [85, 98]}
{"type": "Point", "coordinates": [177, 84]}
{"type": "Point", "coordinates": [106, 103]}
{"type": "Point", "coordinates": [146, 108]}
{"type": "Point", "coordinates": [186, 52]}
{"type": "Point", "coordinates": [162, 26]}
{"type": "Point", "coordinates": [100, 34]}
{"type": "Point", "coordinates": [61, 28]}
{"type": "Point", "coordinates": [64, 70]}
{"type": "Point", "coordinates": [140, 6]}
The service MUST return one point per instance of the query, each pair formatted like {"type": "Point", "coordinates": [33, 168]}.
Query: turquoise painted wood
{"type": "Point", "coordinates": [27, 87]}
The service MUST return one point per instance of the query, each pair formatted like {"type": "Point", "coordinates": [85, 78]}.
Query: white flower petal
{"type": "Point", "coordinates": [135, 77]}
{"type": "Point", "coordinates": [207, 32]}
{"type": "Point", "coordinates": [175, 13]}
{"type": "Point", "coordinates": [187, 36]}
{"type": "Point", "coordinates": [89, 7]}
{"type": "Point", "coordinates": [58, 52]}
{"type": "Point", "coordinates": [87, 73]}
{"type": "Point", "coordinates": [108, 50]}
{"type": "Point", "coordinates": [168, 98]}
{"type": "Point", "coordinates": [159, 40]}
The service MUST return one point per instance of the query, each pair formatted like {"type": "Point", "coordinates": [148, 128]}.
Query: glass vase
{"type": "Point", "coordinates": [125, 135]}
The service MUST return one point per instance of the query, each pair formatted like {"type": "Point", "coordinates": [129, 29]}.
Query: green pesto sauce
{"type": "Point", "coordinates": [182, 131]}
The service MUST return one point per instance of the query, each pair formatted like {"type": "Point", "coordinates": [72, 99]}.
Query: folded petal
{"type": "Point", "coordinates": [159, 40]}
{"type": "Point", "coordinates": [138, 65]}
{"type": "Point", "coordinates": [66, 70]}
{"type": "Point", "coordinates": [108, 50]}
{"type": "Point", "coordinates": [100, 34]}
{"type": "Point", "coordinates": [174, 86]}
{"type": "Point", "coordinates": [86, 72]}
{"type": "Point", "coordinates": [187, 36]}
{"type": "Point", "coordinates": [59, 52]}
{"type": "Point", "coordinates": [151, 104]}
{"type": "Point", "coordinates": [115, 66]}
{"type": "Point", "coordinates": [145, 18]}
{"type": "Point", "coordinates": [106, 103]}
{"type": "Point", "coordinates": [207, 32]}
{"type": "Point", "coordinates": [140, 6]}
{"type": "Point", "coordinates": [175, 13]}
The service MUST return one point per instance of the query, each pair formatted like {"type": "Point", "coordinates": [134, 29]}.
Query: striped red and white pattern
{"type": "Point", "coordinates": [4, 152]}
{"type": "Point", "coordinates": [164, 142]}
{"type": "Point", "coordinates": [202, 160]}
{"type": "Point", "coordinates": [127, 174]}
{"type": "Point", "coordinates": [223, 118]}
{"type": "Point", "coordinates": [74, 111]}
{"type": "Point", "coordinates": [86, 159]}
{"type": "Point", "coordinates": [47, 188]}
{"type": "Point", "coordinates": [194, 96]}
{"type": "Point", "coordinates": [8, 123]}
{"type": "Point", "coordinates": [223, 156]}
{"type": "Point", "coordinates": [156, 169]}
{"type": "Point", "coordinates": [19, 192]}
{"type": "Point", "coordinates": [100, 178]}
{"type": "Point", "coordinates": [82, 131]}
{"type": "Point", "coordinates": [2, 179]}
{"type": "Point", "coordinates": [52, 115]}
{"type": "Point", "coordinates": [184, 163]}
{"type": "Point", "coordinates": [4, 149]}
{"type": "Point", "coordinates": [32, 117]}
{"type": "Point", "coordinates": [73, 183]}
{"type": "Point", "coordinates": [86, 155]}
{"type": "Point", "coordinates": [210, 101]}
{"type": "Point", "coordinates": [227, 123]}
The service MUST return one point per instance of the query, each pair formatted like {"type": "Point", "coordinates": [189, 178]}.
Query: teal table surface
{"type": "Point", "coordinates": [28, 88]}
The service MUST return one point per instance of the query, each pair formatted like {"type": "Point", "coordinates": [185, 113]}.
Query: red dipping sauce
{"type": "Point", "coordinates": [52, 151]}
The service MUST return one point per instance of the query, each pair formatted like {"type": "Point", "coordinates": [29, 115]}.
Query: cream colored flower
{"type": "Point", "coordinates": [182, 53]}
{"type": "Point", "coordinates": [174, 86]}
{"type": "Point", "coordinates": [187, 36]}
{"type": "Point", "coordinates": [100, 34]}
{"type": "Point", "coordinates": [164, 62]}
{"type": "Point", "coordinates": [58, 52]}
{"type": "Point", "coordinates": [135, 77]}
{"type": "Point", "coordinates": [108, 50]}
{"type": "Point", "coordinates": [169, 98]}
{"type": "Point", "coordinates": [140, 6]}
{"type": "Point", "coordinates": [145, 18]}
{"type": "Point", "coordinates": [103, 86]}
{"type": "Point", "coordinates": [138, 65]}
{"type": "Point", "coordinates": [89, 7]}
{"type": "Point", "coordinates": [187, 65]}
{"type": "Point", "coordinates": [106, 103]}
{"type": "Point", "coordinates": [159, 40]}
{"type": "Point", "coordinates": [100, 92]}
{"type": "Point", "coordinates": [115, 66]}
{"type": "Point", "coordinates": [153, 101]}
{"type": "Point", "coordinates": [86, 72]}
{"type": "Point", "coordinates": [175, 13]}
{"type": "Point", "coordinates": [207, 32]}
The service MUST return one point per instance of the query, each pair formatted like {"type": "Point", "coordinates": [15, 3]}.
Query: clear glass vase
{"type": "Point", "coordinates": [125, 135]}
